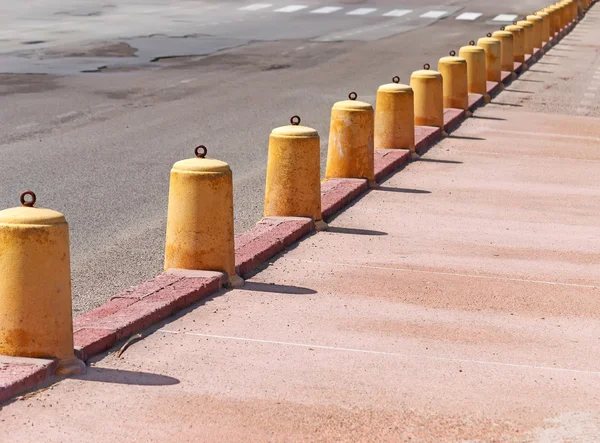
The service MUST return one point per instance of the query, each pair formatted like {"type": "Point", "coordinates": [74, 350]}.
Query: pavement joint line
{"type": "Point", "coordinates": [455, 274]}
{"type": "Point", "coordinates": [384, 353]}
{"type": "Point", "coordinates": [546, 134]}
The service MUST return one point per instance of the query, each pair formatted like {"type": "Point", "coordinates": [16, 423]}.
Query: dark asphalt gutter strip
{"type": "Point", "coordinates": [155, 300]}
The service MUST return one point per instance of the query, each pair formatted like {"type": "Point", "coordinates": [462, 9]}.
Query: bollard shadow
{"type": "Point", "coordinates": [353, 231]}
{"type": "Point", "coordinates": [507, 104]}
{"type": "Point", "coordinates": [465, 137]}
{"type": "Point", "coordinates": [548, 63]}
{"type": "Point", "coordinates": [435, 160]}
{"type": "Point", "coordinates": [531, 81]}
{"type": "Point", "coordinates": [539, 71]}
{"type": "Point", "coordinates": [519, 91]}
{"type": "Point", "coordinates": [402, 190]}
{"type": "Point", "coordinates": [483, 117]}
{"type": "Point", "coordinates": [276, 289]}
{"type": "Point", "coordinates": [122, 377]}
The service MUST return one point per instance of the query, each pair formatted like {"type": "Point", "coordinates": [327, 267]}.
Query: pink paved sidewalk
{"type": "Point", "coordinates": [459, 301]}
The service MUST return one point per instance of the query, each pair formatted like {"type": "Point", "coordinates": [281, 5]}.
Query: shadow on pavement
{"type": "Point", "coordinates": [275, 288]}
{"type": "Point", "coordinates": [519, 91]}
{"type": "Point", "coordinates": [121, 377]}
{"type": "Point", "coordinates": [465, 137]}
{"type": "Point", "coordinates": [483, 117]}
{"type": "Point", "coordinates": [403, 190]}
{"type": "Point", "coordinates": [355, 231]}
{"type": "Point", "coordinates": [507, 104]}
{"type": "Point", "coordinates": [529, 80]}
{"type": "Point", "coordinates": [541, 72]}
{"type": "Point", "coordinates": [436, 160]}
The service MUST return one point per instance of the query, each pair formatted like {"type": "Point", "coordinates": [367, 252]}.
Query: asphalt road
{"type": "Point", "coordinates": [99, 145]}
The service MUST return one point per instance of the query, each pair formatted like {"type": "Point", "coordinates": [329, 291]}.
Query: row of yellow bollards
{"type": "Point", "coordinates": [35, 283]}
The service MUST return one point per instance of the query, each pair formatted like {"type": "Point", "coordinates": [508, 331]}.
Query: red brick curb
{"type": "Point", "coordinates": [425, 137]}
{"type": "Point", "coordinates": [18, 375]}
{"type": "Point", "coordinates": [389, 160]}
{"type": "Point", "coordinates": [475, 101]}
{"type": "Point", "coordinates": [337, 193]}
{"type": "Point", "coordinates": [453, 118]}
{"type": "Point", "coordinates": [266, 239]}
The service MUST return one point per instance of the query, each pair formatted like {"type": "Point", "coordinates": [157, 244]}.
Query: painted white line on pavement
{"type": "Point", "coordinates": [291, 8]}
{"type": "Point", "coordinates": [255, 7]}
{"type": "Point", "coordinates": [505, 18]}
{"type": "Point", "coordinates": [397, 12]}
{"type": "Point", "coordinates": [388, 354]}
{"type": "Point", "coordinates": [434, 14]}
{"type": "Point", "coordinates": [469, 16]}
{"type": "Point", "coordinates": [454, 274]}
{"type": "Point", "coordinates": [361, 11]}
{"type": "Point", "coordinates": [326, 10]}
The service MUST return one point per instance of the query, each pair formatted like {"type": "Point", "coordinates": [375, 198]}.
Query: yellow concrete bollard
{"type": "Point", "coordinates": [428, 88]}
{"type": "Point", "coordinates": [493, 66]}
{"type": "Point", "coordinates": [455, 84]}
{"type": "Point", "coordinates": [528, 36]}
{"type": "Point", "coordinates": [476, 75]}
{"type": "Point", "coordinates": [293, 186]}
{"type": "Point", "coordinates": [200, 232]}
{"type": "Point", "coordinates": [518, 48]}
{"type": "Point", "coordinates": [35, 286]}
{"type": "Point", "coordinates": [507, 57]}
{"type": "Point", "coordinates": [395, 116]}
{"type": "Point", "coordinates": [351, 153]}
{"type": "Point", "coordinates": [537, 30]}
{"type": "Point", "coordinates": [545, 32]}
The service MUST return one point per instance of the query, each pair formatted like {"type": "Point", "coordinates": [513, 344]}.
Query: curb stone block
{"type": "Point", "coordinates": [452, 119]}
{"type": "Point", "coordinates": [336, 193]}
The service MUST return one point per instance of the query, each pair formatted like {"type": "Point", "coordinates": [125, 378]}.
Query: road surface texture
{"type": "Point", "coordinates": [98, 146]}
{"type": "Point", "coordinates": [458, 302]}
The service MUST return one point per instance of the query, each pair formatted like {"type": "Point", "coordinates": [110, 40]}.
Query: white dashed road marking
{"type": "Point", "coordinates": [469, 16]}
{"type": "Point", "coordinates": [397, 12]}
{"type": "Point", "coordinates": [362, 11]}
{"type": "Point", "coordinates": [256, 7]}
{"type": "Point", "coordinates": [505, 18]}
{"type": "Point", "coordinates": [326, 10]}
{"type": "Point", "coordinates": [434, 14]}
{"type": "Point", "coordinates": [291, 8]}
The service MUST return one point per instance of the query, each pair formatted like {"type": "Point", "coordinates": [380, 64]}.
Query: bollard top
{"type": "Point", "coordinates": [473, 49]}
{"type": "Point", "coordinates": [488, 41]}
{"type": "Point", "coordinates": [352, 105]}
{"type": "Point", "coordinates": [398, 88]}
{"type": "Point", "coordinates": [502, 34]}
{"type": "Point", "coordinates": [202, 165]}
{"type": "Point", "coordinates": [295, 131]}
{"type": "Point", "coordinates": [542, 14]}
{"type": "Point", "coordinates": [452, 60]}
{"type": "Point", "coordinates": [524, 24]}
{"type": "Point", "coordinates": [426, 73]}
{"type": "Point", "coordinates": [25, 215]}
{"type": "Point", "coordinates": [534, 18]}
{"type": "Point", "coordinates": [513, 28]}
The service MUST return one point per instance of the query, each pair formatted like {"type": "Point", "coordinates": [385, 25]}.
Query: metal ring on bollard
{"type": "Point", "coordinates": [204, 151]}
{"type": "Point", "coordinates": [452, 53]}
{"type": "Point", "coordinates": [514, 23]}
{"type": "Point", "coordinates": [489, 34]}
{"type": "Point", "coordinates": [295, 120]}
{"type": "Point", "coordinates": [29, 203]}
{"type": "Point", "coordinates": [353, 96]}
{"type": "Point", "coordinates": [472, 42]}
{"type": "Point", "coordinates": [427, 66]}
{"type": "Point", "coordinates": [502, 28]}
{"type": "Point", "coordinates": [396, 79]}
